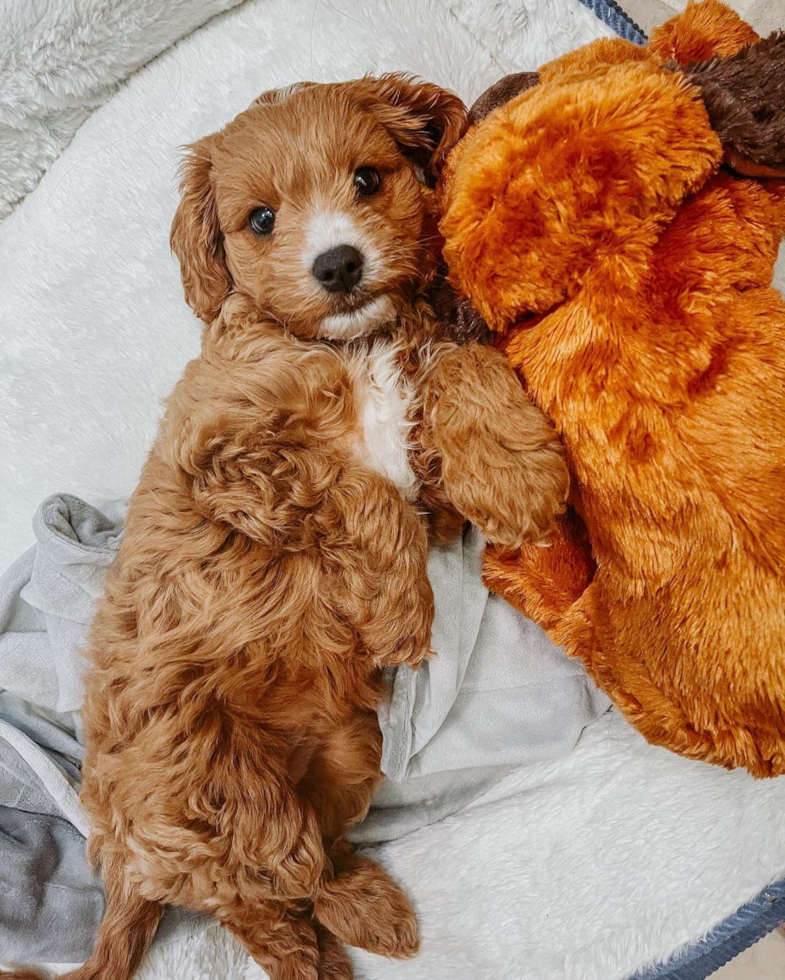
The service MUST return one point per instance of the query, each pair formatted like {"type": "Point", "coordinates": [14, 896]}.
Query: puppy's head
{"type": "Point", "coordinates": [312, 204]}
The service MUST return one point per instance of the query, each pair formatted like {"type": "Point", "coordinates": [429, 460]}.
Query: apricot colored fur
{"type": "Point", "coordinates": [267, 572]}
{"type": "Point", "coordinates": [597, 200]}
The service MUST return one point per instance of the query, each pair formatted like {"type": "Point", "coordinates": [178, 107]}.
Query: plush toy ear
{"type": "Point", "coordinates": [744, 96]}
{"type": "Point", "coordinates": [424, 119]}
{"type": "Point", "coordinates": [701, 32]}
{"type": "Point", "coordinates": [567, 176]}
{"type": "Point", "coordinates": [196, 236]}
{"type": "Point", "coordinates": [501, 92]}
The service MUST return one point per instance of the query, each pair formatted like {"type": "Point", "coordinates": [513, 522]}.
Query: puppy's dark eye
{"type": "Point", "coordinates": [261, 220]}
{"type": "Point", "coordinates": [367, 180]}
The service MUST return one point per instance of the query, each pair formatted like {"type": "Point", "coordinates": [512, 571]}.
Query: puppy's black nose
{"type": "Point", "coordinates": [339, 270]}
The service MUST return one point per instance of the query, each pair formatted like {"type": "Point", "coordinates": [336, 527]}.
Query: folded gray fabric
{"type": "Point", "coordinates": [47, 599]}
{"type": "Point", "coordinates": [497, 695]}
{"type": "Point", "coordinates": [53, 732]}
{"type": "Point", "coordinates": [50, 900]}
{"type": "Point", "coordinates": [51, 903]}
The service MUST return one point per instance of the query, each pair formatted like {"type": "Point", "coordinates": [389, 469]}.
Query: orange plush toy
{"type": "Point", "coordinates": [616, 224]}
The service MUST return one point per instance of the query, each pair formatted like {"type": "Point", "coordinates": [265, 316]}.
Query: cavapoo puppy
{"type": "Point", "coordinates": [274, 558]}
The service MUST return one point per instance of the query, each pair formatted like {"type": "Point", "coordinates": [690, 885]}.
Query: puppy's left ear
{"type": "Point", "coordinates": [425, 120]}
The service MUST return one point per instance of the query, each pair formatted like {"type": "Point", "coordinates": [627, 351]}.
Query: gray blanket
{"type": "Point", "coordinates": [498, 695]}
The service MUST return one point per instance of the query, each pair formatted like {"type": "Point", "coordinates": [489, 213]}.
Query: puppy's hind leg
{"type": "Point", "coordinates": [293, 947]}
{"type": "Point", "coordinates": [282, 941]}
{"type": "Point", "coordinates": [334, 962]}
{"type": "Point", "coordinates": [356, 899]}
{"type": "Point", "coordinates": [362, 905]}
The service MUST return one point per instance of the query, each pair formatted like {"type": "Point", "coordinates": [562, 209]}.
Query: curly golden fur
{"type": "Point", "coordinates": [274, 561]}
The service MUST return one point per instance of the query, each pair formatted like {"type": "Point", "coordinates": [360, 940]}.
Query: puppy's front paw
{"type": "Point", "coordinates": [520, 503]}
{"type": "Point", "coordinates": [502, 464]}
{"type": "Point", "coordinates": [410, 654]}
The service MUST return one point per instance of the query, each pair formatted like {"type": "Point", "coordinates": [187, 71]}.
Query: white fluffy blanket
{"type": "Point", "coordinates": [60, 59]}
{"type": "Point", "coordinates": [584, 869]}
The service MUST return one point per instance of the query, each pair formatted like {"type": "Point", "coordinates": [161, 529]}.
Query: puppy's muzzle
{"type": "Point", "coordinates": [339, 269]}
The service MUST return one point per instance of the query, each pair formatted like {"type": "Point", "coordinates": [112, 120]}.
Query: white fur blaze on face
{"type": "Point", "coordinates": [328, 230]}
{"type": "Point", "coordinates": [360, 322]}
{"type": "Point", "coordinates": [385, 402]}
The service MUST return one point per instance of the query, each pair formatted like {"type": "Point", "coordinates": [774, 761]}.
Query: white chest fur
{"type": "Point", "coordinates": [384, 401]}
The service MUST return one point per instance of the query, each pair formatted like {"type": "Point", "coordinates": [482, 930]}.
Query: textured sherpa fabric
{"type": "Point", "coordinates": [60, 59]}
{"type": "Point", "coordinates": [738, 932]}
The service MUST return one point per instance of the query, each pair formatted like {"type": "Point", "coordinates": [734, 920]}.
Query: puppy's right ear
{"type": "Point", "coordinates": [196, 236]}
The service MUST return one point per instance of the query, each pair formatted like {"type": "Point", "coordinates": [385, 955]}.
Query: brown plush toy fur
{"type": "Point", "coordinates": [627, 274]}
